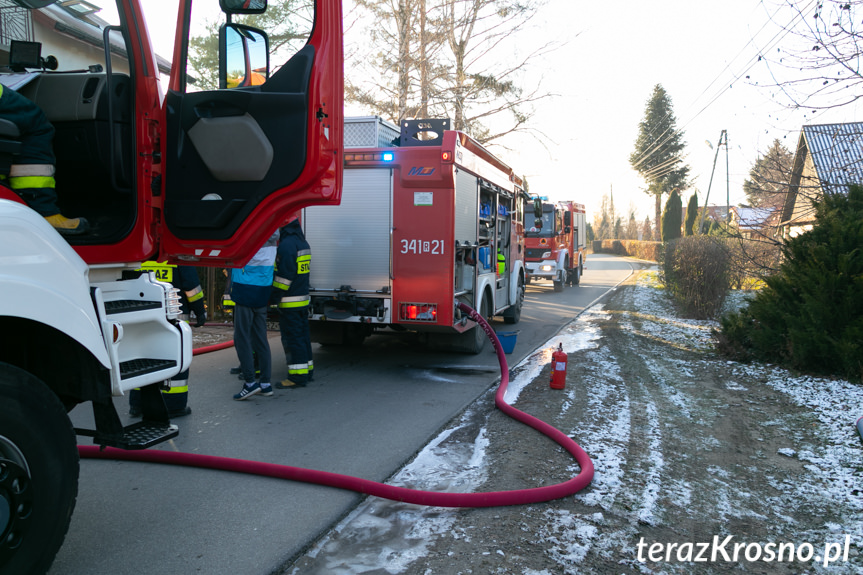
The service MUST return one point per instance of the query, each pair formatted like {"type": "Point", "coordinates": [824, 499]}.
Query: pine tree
{"type": "Point", "coordinates": [647, 230]}
{"type": "Point", "coordinates": [671, 217]}
{"type": "Point", "coordinates": [769, 177]}
{"type": "Point", "coordinates": [658, 148]}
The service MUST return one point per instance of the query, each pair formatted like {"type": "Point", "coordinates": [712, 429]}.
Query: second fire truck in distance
{"type": "Point", "coordinates": [556, 243]}
{"type": "Point", "coordinates": [423, 222]}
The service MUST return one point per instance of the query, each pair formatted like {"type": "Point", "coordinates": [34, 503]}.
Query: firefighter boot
{"type": "Point", "coordinates": [68, 226]}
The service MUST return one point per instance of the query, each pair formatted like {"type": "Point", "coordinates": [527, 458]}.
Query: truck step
{"type": "Point", "coordinates": [142, 366]}
{"type": "Point", "coordinates": [129, 305]}
{"type": "Point", "coordinates": [141, 435]}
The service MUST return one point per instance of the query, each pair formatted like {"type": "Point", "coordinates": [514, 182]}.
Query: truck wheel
{"type": "Point", "coordinates": [559, 283]}
{"type": "Point", "coordinates": [473, 340]}
{"type": "Point", "coordinates": [513, 314]}
{"type": "Point", "coordinates": [576, 274]}
{"type": "Point", "coordinates": [38, 472]}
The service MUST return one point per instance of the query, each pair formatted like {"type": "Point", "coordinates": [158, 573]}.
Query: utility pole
{"type": "Point", "coordinates": [723, 140]}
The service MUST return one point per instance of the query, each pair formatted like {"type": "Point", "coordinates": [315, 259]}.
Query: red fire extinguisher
{"type": "Point", "coordinates": [558, 369]}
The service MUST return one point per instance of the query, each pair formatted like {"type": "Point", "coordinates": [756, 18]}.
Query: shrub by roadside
{"type": "Point", "coordinates": [810, 315]}
{"type": "Point", "coordinates": [695, 270]}
{"type": "Point", "coordinates": [649, 251]}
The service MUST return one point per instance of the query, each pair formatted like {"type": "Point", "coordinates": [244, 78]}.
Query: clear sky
{"type": "Point", "coordinates": [615, 53]}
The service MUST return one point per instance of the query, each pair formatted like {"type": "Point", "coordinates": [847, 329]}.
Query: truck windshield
{"type": "Point", "coordinates": [547, 230]}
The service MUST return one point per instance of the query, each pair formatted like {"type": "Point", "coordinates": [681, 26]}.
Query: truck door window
{"type": "Point", "coordinates": [288, 26]}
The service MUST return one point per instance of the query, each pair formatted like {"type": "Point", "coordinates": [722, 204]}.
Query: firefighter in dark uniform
{"type": "Point", "coordinates": [32, 172]}
{"type": "Point", "coordinates": [293, 263]}
{"type": "Point", "coordinates": [185, 279]}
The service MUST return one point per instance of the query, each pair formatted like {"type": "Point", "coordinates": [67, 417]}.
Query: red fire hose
{"type": "Point", "coordinates": [488, 499]}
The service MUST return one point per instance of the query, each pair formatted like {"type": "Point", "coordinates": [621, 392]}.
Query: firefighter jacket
{"type": "Point", "coordinates": [293, 263]}
{"type": "Point", "coordinates": [252, 284]}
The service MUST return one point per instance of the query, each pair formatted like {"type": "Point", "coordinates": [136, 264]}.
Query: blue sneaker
{"type": "Point", "coordinates": [248, 391]}
{"type": "Point", "coordinates": [266, 390]}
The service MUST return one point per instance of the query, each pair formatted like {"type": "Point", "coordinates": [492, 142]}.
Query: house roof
{"type": "Point", "coordinates": [753, 218]}
{"type": "Point", "coordinates": [835, 153]}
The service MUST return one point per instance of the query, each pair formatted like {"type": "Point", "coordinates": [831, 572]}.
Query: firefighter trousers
{"type": "Point", "coordinates": [297, 343]}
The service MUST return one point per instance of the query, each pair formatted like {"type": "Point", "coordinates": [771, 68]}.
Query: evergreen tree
{"type": "Point", "coordinates": [647, 230]}
{"type": "Point", "coordinates": [671, 217]}
{"type": "Point", "coordinates": [658, 149]}
{"type": "Point", "coordinates": [691, 215]}
{"type": "Point", "coordinates": [810, 315]}
{"type": "Point", "coordinates": [769, 177]}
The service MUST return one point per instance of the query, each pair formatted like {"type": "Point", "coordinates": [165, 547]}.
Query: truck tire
{"type": "Point", "coordinates": [513, 314]}
{"type": "Point", "coordinates": [473, 341]}
{"type": "Point", "coordinates": [576, 274]}
{"type": "Point", "coordinates": [38, 472]}
{"type": "Point", "coordinates": [560, 282]}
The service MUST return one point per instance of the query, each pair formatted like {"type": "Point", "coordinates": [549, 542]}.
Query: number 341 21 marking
{"type": "Point", "coordinates": [433, 247]}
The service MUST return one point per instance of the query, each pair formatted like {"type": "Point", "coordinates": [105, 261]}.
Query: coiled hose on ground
{"type": "Point", "coordinates": [488, 499]}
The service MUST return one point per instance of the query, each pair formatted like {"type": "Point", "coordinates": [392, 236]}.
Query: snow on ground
{"type": "Point", "coordinates": [385, 537]}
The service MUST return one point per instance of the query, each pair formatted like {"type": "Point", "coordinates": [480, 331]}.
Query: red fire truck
{"type": "Point", "coordinates": [556, 243]}
{"type": "Point", "coordinates": [424, 222]}
{"type": "Point", "coordinates": [202, 176]}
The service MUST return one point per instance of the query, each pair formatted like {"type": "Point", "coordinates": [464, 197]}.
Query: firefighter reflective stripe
{"type": "Point", "coordinates": [178, 388]}
{"type": "Point", "coordinates": [281, 283]}
{"type": "Point", "coordinates": [227, 301]}
{"type": "Point", "coordinates": [501, 264]}
{"type": "Point", "coordinates": [195, 294]}
{"type": "Point", "coordinates": [298, 369]}
{"type": "Point", "coordinates": [294, 301]}
{"type": "Point", "coordinates": [26, 176]}
{"type": "Point", "coordinates": [163, 271]}
{"type": "Point", "coordinates": [304, 261]}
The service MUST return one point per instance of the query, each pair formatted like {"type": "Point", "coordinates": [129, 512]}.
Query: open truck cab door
{"type": "Point", "coordinates": [262, 145]}
{"type": "Point", "coordinates": [246, 134]}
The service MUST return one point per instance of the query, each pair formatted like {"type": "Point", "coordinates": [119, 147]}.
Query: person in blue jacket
{"type": "Point", "coordinates": [250, 292]}
{"type": "Point", "coordinates": [293, 264]}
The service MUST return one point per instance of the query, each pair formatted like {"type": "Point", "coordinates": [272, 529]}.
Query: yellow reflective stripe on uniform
{"type": "Point", "coordinates": [304, 263]}
{"type": "Point", "coordinates": [298, 369]}
{"type": "Point", "coordinates": [177, 389]}
{"type": "Point", "coordinates": [281, 283]}
{"type": "Point", "coordinates": [294, 301]}
{"type": "Point", "coordinates": [195, 294]}
{"type": "Point", "coordinates": [226, 300]}
{"type": "Point", "coordinates": [27, 182]}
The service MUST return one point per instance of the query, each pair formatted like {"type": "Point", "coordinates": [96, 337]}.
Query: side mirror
{"type": "Point", "coordinates": [244, 56]}
{"type": "Point", "coordinates": [538, 223]}
{"type": "Point", "coordinates": [567, 218]}
{"type": "Point", "coordinates": [537, 208]}
{"type": "Point", "coordinates": [243, 6]}
{"type": "Point", "coordinates": [567, 229]}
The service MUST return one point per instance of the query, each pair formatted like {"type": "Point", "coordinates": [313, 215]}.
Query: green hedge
{"type": "Point", "coordinates": [633, 248]}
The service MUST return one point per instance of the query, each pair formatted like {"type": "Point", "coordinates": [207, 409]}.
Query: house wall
{"type": "Point", "coordinates": [74, 54]}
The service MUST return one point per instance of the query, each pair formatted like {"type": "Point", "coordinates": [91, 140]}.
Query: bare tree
{"type": "Point", "coordinates": [447, 63]}
{"type": "Point", "coordinates": [817, 63]}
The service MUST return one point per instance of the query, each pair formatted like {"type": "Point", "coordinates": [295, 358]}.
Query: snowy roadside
{"type": "Point", "coordinates": [687, 448]}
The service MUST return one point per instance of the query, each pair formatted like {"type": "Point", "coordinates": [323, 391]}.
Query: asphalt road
{"type": "Point", "coordinates": [369, 410]}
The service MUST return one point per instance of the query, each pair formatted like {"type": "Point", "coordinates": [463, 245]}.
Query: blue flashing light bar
{"type": "Point", "coordinates": [388, 157]}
